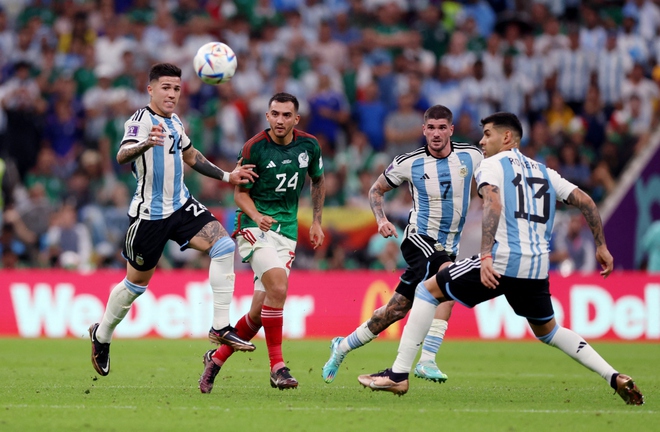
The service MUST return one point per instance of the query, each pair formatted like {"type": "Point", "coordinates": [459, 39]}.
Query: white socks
{"type": "Point", "coordinates": [419, 323]}
{"type": "Point", "coordinates": [361, 336]}
{"type": "Point", "coordinates": [433, 340]}
{"type": "Point", "coordinates": [576, 347]}
{"type": "Point", "coordinates": [120, 300]}
{"type": "Point", "coordinates": [221, 279]}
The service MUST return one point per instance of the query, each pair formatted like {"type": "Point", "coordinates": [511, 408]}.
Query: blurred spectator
{"type": "Point", "coordinates": [641, 86]}
{"type": "Point", "coordinates": [630, 41]}
{"type": "Point", "coordinates": [612, 67]}
{"type": "Point", "coordinates": [403, 128]}
{"type": "Point", "coordinates": [21, 99]}
{"type": "Point", "coordinates": [329, 112]}
{"type": "Point", "coordinates": [482, 94]}
{"type": "Point", "coordinates": [110, 47]}
{"type": "Point", "coordinates": [558, 114]}
{"type": "Point", "coordinates": [536, 68]}
{"type": "Point", "coordinates": [573, 168]}
{"type": "Point", "coordinates": [370, 115]}
{"type": "Point", "coordinates": [68, 243]}
{"type": "Point", "coordinates": [458, 60]}
{"type": "Point", "coordinates": [573, 68]}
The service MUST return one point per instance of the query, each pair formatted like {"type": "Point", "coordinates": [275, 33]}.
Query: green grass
{"type": "Point", "coordinates": [50, 385]}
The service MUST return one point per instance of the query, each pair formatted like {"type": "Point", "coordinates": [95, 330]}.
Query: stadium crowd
{"type": "Point", "coordinates": [583, 76]}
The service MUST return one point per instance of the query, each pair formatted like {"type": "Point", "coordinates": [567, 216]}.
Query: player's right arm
{"type": "Point", "coordinates": [130, 151]}
{"type": "Point", "coordinates": [245, 202]}
{"type": "Point", "coordinates": [376, 193]}
{"type": "Point", "coordinates": [489, 224]}
{"type": "Point", "coordinates": [589, 209]}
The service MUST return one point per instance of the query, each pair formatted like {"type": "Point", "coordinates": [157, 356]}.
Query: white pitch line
{"type": "Point", "coordinates": [640, 411]}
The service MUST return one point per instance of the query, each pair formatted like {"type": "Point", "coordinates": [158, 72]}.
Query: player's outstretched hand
{"type": "Point", "coordinates": [316, 235]}
{"type": "Point", "coordinates": [242, 174]}
{"type": "Point", "coordinates": [489, 277]}
{"type": "Point", "coordinates": [605, 259]}
{"type": "Point", "coordinates": [387, 229]}
{"type": "Point", "coordinates": [156, 136]}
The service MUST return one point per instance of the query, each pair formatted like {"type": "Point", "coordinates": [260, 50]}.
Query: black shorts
{"type": "Point", "coordinates": [423, 262]}
{"type": "Point", "coordinates": [529, 298]}
{"type": "Point", "coordinates": [146, 239]}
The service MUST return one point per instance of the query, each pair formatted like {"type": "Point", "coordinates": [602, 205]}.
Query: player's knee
{"type": "Point", "coordinates": [223, 246]}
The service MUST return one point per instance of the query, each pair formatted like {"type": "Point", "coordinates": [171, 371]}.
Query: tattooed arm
{"type": "Point", "coordinates": [376, 193]}
{"type": "Point", "coordinates": [489, 223]}
{"type": "Point", "coordinates": [242, 173]}
{"type": "Point", "coordinates": [131, 151]}
{"type": "Point", "coordinates": [316, 235]}
{"type": "Point", "coordinates": [588, 208]}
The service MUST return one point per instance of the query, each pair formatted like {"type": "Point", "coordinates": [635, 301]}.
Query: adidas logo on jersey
{"type": "Point", "coordinates": [425, 177]}
{"type": "Point", "coordinates": [271, 164]}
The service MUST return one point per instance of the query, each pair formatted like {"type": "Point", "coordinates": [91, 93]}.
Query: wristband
{"type": "Point", "coordinates": [225, 177]}
{"type": "Point", "coordinates": [486, 256]}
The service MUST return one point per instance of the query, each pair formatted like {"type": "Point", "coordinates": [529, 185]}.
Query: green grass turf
{"type": "Point", "coordinates": [48, 385]}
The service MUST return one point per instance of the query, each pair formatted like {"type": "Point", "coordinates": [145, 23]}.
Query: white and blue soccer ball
{"type": "Point", "coordinates": [215, 63]}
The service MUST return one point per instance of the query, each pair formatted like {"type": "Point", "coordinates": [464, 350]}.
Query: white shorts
{"type": "Point", "coordinates": [265, 251]}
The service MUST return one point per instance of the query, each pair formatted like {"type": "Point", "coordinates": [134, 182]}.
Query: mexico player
{"type": "Point", "coordinates": [267, 229]}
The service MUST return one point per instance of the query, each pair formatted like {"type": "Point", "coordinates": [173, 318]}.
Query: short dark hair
{"type": "Point", "coordinates": [164, 69]}
{"type": "Point", "coordinates": [438, 112]}
{"type": "Point", "coordinates": [284, 97]}
{"type": "Point", "coordinates": [504, 120]}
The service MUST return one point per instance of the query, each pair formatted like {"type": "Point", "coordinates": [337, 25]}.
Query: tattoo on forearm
{"type": "Point", "coordinates": [318, 198]}
{"type": "Point", "coordinates": [588, 208]}
{"type": "Point", "coordinates": [396, 309]}
{"type": "Point", "coordinates": [376, 199]}
{"type": "Point", "coordinates": [129, 152]}
{"type": "Point", "coordinates": [491, 218]}
{"type": "Point", "coordinates": [203, 166]}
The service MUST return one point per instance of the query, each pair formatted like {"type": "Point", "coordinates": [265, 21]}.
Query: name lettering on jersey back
{"type": "Point", "coordinates": [527, 164]}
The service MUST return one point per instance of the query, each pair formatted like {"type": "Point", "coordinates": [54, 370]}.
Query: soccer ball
{"type": "Point", "coordinates": [215, 63]}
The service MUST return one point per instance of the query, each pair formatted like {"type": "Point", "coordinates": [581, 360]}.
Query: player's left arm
{"type": "Point", "coordinates": [318, 198]}
{"type": "Point", "coordinates": [489, 223]}
{"type": "Point", "coordinates": [588, 207]}
{"type": "Point", "coordinates": [242, 174]}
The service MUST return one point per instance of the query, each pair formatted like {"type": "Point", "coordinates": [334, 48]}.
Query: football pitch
{"type": "Point", "coordinates": [50, 385]}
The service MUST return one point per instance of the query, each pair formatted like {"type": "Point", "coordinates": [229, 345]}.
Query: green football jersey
{"type": "Point", "coordinates": [281, 170]}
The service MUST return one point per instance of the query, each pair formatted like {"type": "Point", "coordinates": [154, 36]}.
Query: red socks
{"type": "Point", "coordinates": [272, 319]}
{"type": "Point", "coordinates": [246, 330]}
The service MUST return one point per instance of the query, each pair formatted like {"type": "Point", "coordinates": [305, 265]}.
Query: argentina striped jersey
{"type": "Point", "coordinates": [528, 193]}
{"type": "Point", "coordinates": [440, 190]}
{"type": "Point", "coordinates": [159, 171]}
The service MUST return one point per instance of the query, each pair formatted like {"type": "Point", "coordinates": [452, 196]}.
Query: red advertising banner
{"type": "Point", "coordinates": [177, 304]}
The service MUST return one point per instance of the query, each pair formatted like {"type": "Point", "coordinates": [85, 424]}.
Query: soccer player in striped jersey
{"type": "Point", "coordinates": [156, 145]}
{"type": "Point", "coordinates": [267, 229]}
{"type": "Point", "coordinates": [439, 177]}
{"type": "Point", "coordinates": [519, 196]}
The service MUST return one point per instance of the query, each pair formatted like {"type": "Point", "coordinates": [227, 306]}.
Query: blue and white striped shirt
{"type": "Point", "coordinates": [574, 68]}
{"type": "Point", "coordinates": [528, 192]}
{"type": "Point", "coordinates": [159, 171]}
{"type": "Point", "coordinates": [440, 190]}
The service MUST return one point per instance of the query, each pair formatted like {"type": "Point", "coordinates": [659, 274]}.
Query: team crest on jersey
{"type": "Point", "coordinates": [303, 160]}
{"type": "Point", "coordinates": [463, 171]}
{"type": "Point", "coordinates": [139, 260]}
{"type": "Point", "coordinates": [132, 131]}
